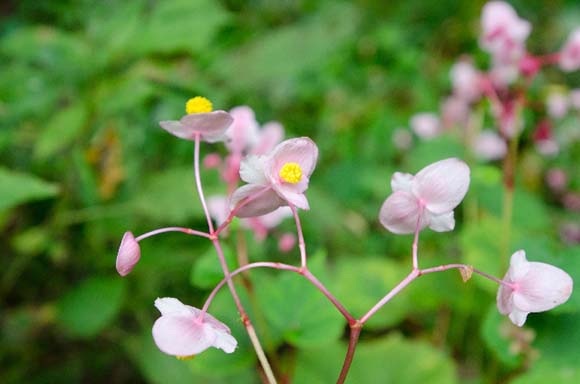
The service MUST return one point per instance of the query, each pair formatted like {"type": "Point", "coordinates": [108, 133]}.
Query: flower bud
{"type": "Point", "coordinates": [128, 255]}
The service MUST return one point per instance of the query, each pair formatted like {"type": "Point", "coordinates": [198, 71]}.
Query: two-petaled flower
{"type": "Point", "coordinates": [531, 287]}
{"type": "Point", "coordinates": [426, 199]}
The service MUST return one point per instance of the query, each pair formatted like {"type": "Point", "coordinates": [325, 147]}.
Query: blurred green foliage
{"type": "Point", "coordinates": [82, 86]}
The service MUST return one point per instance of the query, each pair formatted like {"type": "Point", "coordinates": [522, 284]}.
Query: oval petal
{"type": "Point", "coordinates": [399, 213]}
{"type": "Point", "coordinates": [182, 335]}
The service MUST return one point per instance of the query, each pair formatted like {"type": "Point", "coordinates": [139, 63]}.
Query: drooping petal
{"type": "Point", "coordinates": [399, 213]}
{"type": "Point", "coordinates": [504, 299]}
{"type": "Point", "coordinates": [252, 170]}
{"type": "Point", "coordinates": [442, 185]}
{"type": "Point", "coordinates": [442, 223]}
{"type": "Point", "coordinates": [211, 126]}
{"type": "Point", "coordinates": [225, 341]}
{"type": "Point", "coordinates": [128, 255]}
{"type": "Point", "coordinates": [518, 317]}
{"type": "Point", "coordinates": [519, 265]}
{"type": "Point", "coordinates": [171, 306]}
{"type": "Point", "coordinates": [181, 335]}
{"type": "Point", "coordinates": [293, 195]}
{"type": "Point", "coordinates": [401, 182]}
{"type": "Point", "coordinates": [542, 288]}
{"type": "Point", "coordinates": [267, 201]}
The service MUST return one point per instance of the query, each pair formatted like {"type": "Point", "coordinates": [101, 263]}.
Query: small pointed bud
{"type": "Point", "coordinates": [128, 255]}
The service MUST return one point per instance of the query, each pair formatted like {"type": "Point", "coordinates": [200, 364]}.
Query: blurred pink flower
{"type": "Point", "coordinates": [503, 33]}
{"type": "Point", "coordinates": [488, 145]}
{"type": "Point", "coordinates": [570, 52]}
{"type": "Point", "coordinates": [128, 255]}
{"type": "Point", "coordinates": [544, 139]}
{"type": "Point", "coordinates": [557, 179]}
{"type": "Point", "coordinates": [426, 125]}
{"type": "Point", "coordinates": [455, 112]}
{"type": "Point", "coordinates": [212, 160]}
{"type": "Point", "coordinates": [533, 287]}
{"type": "Point", "coordinates": [466, 80]}
{"type": "Point", "coordinates": [557, 104]}
{"type": "Point", "coordinates": [181, 330]}
{"type": "Point", "coordinates": [279, 178]}
{"type": "Point", "coordinates": [286, 242]}
{"type": "Point", "coordinates": [243, 132]}
{"type": "Point", "coordinates": [433, 193]}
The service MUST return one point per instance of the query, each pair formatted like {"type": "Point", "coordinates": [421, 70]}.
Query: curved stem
{"type": "Point", "coordinates": [416, 237]}
{"type": "Point", "coordinates": [446, 267]}
{"type": "Point", "coordinates": [198, 183]}
{"type": "Point", "coordinates": [301, 243]}
{"type": "Point", "coordinates": [352, 343]}
{"type": "Point", "coordinates": [307, 274]}
{"type": "Point", "coordinates": [172, 229]}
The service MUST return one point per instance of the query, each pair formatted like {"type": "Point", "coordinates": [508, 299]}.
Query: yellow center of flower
{"type": "Point", "coordinates": [198, 104]}
{"type": "Point", "coordinates": [185, 357]}
{"type": "Point", "coordinates": [291, 173]}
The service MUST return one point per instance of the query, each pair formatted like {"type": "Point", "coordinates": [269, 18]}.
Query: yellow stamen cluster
{"type": "Point", "coordinates": [291, 173]}
{"type": "Point", "coordinates": [185, 357]}
{"type": "Point", "coordinates": [198, 104]}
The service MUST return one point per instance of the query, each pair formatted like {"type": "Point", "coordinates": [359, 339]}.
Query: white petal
{"type": "Point", "coordinates": [442, 223]}
{"type": "Point", "coordinates": [225, 342]}
{"type": "Point", "coordinates": [401, 182]}
{"type": "Point", "coordinates": [519, 266]}
{"type": "Point", "coordinates": [170, 306]}
{"type": "Point", "coordinates": [252, 170]}
{"type": "Point", "coordinates": [442, 185]}
{"type": "Point", "coordinates": [518, 317]}
{"type": "Point", "coordinates": [542, 288]}
{"type": "Point", "coordinates": [504, 299]}
{"type": "Point", "coordinates": [180, 335]}
{"type": "Point", "coordinates": [301, 150]}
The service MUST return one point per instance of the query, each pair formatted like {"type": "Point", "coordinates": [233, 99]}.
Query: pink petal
{"type": "Point", "coordinates": [181, 335]}
{"type": "Point", "coordinates": [218, 208]}
{"type": "Point", "coordinates": [292, 193]}
{"type": "Point", "coordinates": [271, 134]}
{"type": "Point", "coordinates": [128, 255]}
{"type": "Point", "coordinates": [266, 202]}
{"type": "Point", "coordinates": [504, 299]}
{"type": "Point", "coordinates": [519, 266]}
{"type": "Point", "coordinates": [399, 213]}
{"type": "Point", "coordinates": [244, 130]}
{"type": "Point", "coordinates": [211, 126]}
{"type": "Point", "coordinates": [518, 317]}
{"type": "Point", "coordinates": [300, 150]}
{"type": "Point", "coordinates": [172, 306]}
{"type": "Point", "coordinates": [542, 288]}
{"type": "Point", "coordinates": [426, 125]}
{"type": "Point", "coordinates": [442, 185]}
{"type": "Point", "coordinates": [225, 341]}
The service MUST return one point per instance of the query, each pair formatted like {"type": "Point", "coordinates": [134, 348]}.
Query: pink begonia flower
{"type": "Point", "coordinates": [426, 125]}
{"type": "Point", "coordinates": [455, 112]}
{"type": "Point", "coordinates": [181, 332]}
{"type": "Point", "coordinates": [279, 178]}
{"type": "Point", "coordinates": [570, 53]}
{"type": "Point", "coordinates": [243, 132]}
{"type": "Point", "coordinates": [489, 145]}
{"type": "Point", "coordinates": [128, 255]}
{"type": "Point", "coordinates": [434, 192]}
{"type": "Point", "coordinates": [219, 209]}
{"type": "Point", "coordinates": [575, 98]}
{"type": "Point", "coordinates": [466, 81]}
{"type": "Point", "coordinates": [503, 33]}
{"type": "Point", "coordinates": [200, 120]}
{"type": "Point", "coordinates": [534, 287]}
{"type": "Point", "coordinates": [557, 104]}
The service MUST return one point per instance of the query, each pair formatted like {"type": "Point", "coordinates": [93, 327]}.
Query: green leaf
{"type": "Point", "coordinates": [558, 337]}
{"type": "Point", "coordinates": [362, 282]}
{"type": "Point", "coordinates": [17, 188]}
{"type": "Point", "coordinates": [542, 374]}
{"type": "Point", "coordinates": [388, 360]}
{"type": "Point", "coordinates": [91, 306]}
{"type": "Point", "coordinates": [288, 51]}
{"type": "Point", "coordinates": [297, 310]}
{"type": "Point", "coordinates": [60, 132]}
{"type": "Point", "coordinates": [180, 25]}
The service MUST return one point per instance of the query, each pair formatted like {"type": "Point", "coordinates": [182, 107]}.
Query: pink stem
{"type": "Point", "coordinates": [259, 264]}
{"type": "Point", "coordinates": [406, 281]}
{"type": "Point", "coordinates": [307, 274]}
{"type": "Point", "coordinates": [301, 243]}
{"type": "Point", "coordinates": [352, 343]}
{"type": "Point", "coordinates": [198, 183]}
{"type": "Point", "coordinates": [172, 229]}
{"type": "Point", "coordinates": [446, 267]}
{"type": "Point", "coordinates": [416, 238]}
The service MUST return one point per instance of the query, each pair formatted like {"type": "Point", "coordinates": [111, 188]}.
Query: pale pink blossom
{"type": "Point", "coordinates": [243, 133]}
{"type": "Point", "coordinates": [488, 145]}
{"type": "Point", "coordinates": [557, 104]}
{"type": "Point", "coordinates": [455, 112]}
{"type": "Point", "coordinates": [466, 80]}
{"type": "Point", "coordinates": [287, 242]}
{"type": "Point", "coordinates": [503, 33]}
{"type": "Point", "coordinates": [575, 98]}
{"type": "Point", "coordinates": [212, 160]}
{"type": "Point", "coordinates": [210, 126]}
{"type": "Point", "coordinates": [503, 74]}
{"type": "Point", "coordinates": [183, 331]}
{"type": "Point", "coordinates": [531, 287]}
{"type": "Point", "coordinates": [557, 179]}
{"type": "Point", "coordinates": [426, 125]}
{"type": "Point", "coordinates": [570, 53]}
{"type": "Point", "coordinates": [128, 255]}
{"type": "Point", "coordinates": [432, 193]}
{"type": "Point", "coordinates": [276, 179]}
